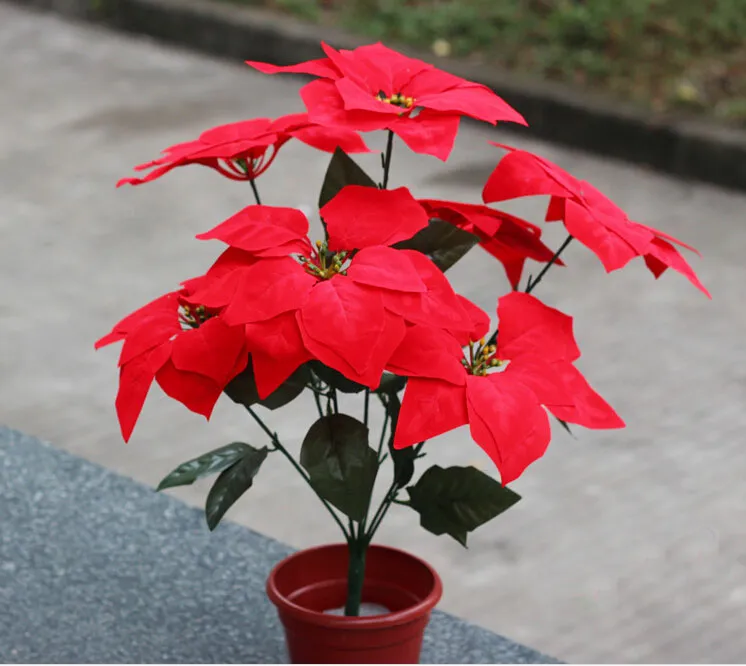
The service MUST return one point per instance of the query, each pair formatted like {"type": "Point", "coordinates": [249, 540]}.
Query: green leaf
{"type": "Point", "coordinates": [442, 242]}
{"type": "Point", "coordinates": [403, 459]}
{"type": "Point", "coordinates": [341, 465]}
{"type": "Point", "coordinates": [242, 389]}
{"type": "Point", "coordinates": [391, 384]}
{"type": "Point", "coordinates": [209, 463]}
{"type": "Point", "coordinates": [342, 170]}
{"type": "Point", "coordinates": [232, 483]}
{"type": "Point", "coordinates": [457, 500]}
{"type": "Point", "coordinates": [289, 390]}
{"type": "Point", "coordinates": [334, 378]}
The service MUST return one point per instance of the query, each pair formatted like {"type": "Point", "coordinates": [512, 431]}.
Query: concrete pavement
{"type": "Point", "coordinates": [628, 546]}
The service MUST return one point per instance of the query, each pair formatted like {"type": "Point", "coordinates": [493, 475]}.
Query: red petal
{"type": "Point", "coordinates": [135, 379]}
{"type": "Point", "coordinates": [428, 133]}
{"type": "Point", "coordinates": [321, 67]}
{"type": "Point", "coordinates": [471, 100]}
{"type": "Point", "coordinates": [384, 267]}
{"type": "Point", "coordinates": [277, 350]}
{"type": "Point", "coordinates": [662, 254]}
{"type": "Point", "coordinates": [391, 336]}
{"type": "Point", "coordinates": [430, 407]}
{"type": "Point", "coordinates": [196, 392]}
{"type": "Point", "coordinates": [529, 326]}
{"type": "Point", "coordinates": [589, 409]}
{"type": "Point", "coordinates": [344, 318]}
{"type": "Point", "coordinates": [507, 421]}
{"type": "Point", "coordinates": [428, 352]}
{"type": "Point", "coordinates": [261, 291]}
{"type": "Point", "coordinates": [212, 350]}
{"type": "Point", "coordinates": [260, 227]}
{"type": "Point", "coordinates": [329, 139]}
{"type": "Point", "coordinates": [613, 251]}
{"type": "Point", "coordinates": [359, 217]}
{"type": "Point", "coordinates": [166, 306]}
{"type": "Point", "coordinates": [541, 377]}
{"type": "Point", "coordinates": [439, 306]}
{"type": "Point", "coordinates": [521, 174]}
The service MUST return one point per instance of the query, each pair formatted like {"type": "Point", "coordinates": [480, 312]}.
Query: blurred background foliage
{"type": "Point", "coordinates": [663, 54]}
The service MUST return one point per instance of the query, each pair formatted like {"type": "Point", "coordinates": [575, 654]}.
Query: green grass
{"type": "Point", "coordinates": [664, 54]}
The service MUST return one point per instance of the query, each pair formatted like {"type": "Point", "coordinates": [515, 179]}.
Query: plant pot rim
{"type": "Point", "coordinates": [363, 622]}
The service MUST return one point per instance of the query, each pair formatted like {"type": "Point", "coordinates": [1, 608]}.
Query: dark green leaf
{"type": "Point", "coordinates": [391, 384]}
{"type": "Point", "coordinates": [341, 466]}
{"type": "Point", "coordinates": [403, 459]}
{"type": "Point", "coordinates": [232, 483]}
{"type": "Point", "coordinates": [289, 390]}
{"type": "Point", "coordinates": [334, 378]}
{"type": "Point", "coordinates": [209, 463]}
{"type": "Point", "coordinates": [443, 242]}
{"type": "Point", "coordinates": [457, 500]}
{"type": "Point", "coordinates": [242, 389]}
{"type": "Point", "coordinates": [342, 170]}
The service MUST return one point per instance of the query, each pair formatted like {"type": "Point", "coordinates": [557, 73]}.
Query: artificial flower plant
{"type": "Point", "coordinates": [368, 308]}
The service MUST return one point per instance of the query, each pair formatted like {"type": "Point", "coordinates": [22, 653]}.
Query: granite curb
{"type": "Point", "coordinates": [690, 149]}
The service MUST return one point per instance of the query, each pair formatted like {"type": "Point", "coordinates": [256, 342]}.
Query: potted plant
{"type": "Point", "coordinates": [367, 310]}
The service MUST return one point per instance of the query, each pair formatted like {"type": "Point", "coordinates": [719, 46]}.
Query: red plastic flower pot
{"type": "Point", "coordinates": [312, 581]}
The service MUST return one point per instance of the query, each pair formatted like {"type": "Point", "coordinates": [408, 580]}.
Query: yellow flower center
{"type": "Point", "coordinates": [397, 99]}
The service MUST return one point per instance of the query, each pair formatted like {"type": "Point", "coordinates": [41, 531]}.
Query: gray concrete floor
{"type": "Point", "coordinates": [629, 546]}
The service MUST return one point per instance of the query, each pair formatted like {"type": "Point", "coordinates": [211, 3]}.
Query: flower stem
{"type": "Point", "coordinates": [279, 447]}
{"type": "Point", "coordinates": [256, 191]}
{"type": "Point", "coordinates": [532, 283]}
{"type": "Point", "coordinates": [387, 160]}
{"type": "Point", "coordinates": [355, 576]}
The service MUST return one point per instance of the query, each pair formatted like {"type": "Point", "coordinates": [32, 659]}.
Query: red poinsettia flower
{"type": "Point", "coordinates": [245, 150]}
{"type": "Point", "coordinates": [500, 390]}
{"type": "Point", "coordinates": [592, 218]}
{"type": "Point", "coordinates": [373, 87]}
{"type": "Point", "coordinates": [349, 310]}
{"type": "Point", "coordinates": [191, 354]}
{"type": "Point", "coordinates": [508, 238]}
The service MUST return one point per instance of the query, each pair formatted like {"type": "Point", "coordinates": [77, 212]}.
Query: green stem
{"type": "Point", "coordinates": [276, 443]}
{"type": "Point", "coordinates": [355, 576]}
{"type": "Point", "coordinates": [532, 283]}
{"type": "Point", "coordinates": [256, 191]}
{"type": "Point", "coordinates": [387, 160]}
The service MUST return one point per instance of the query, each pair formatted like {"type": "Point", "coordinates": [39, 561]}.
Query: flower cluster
{"type": "Point", "coordinates": [371, 299]}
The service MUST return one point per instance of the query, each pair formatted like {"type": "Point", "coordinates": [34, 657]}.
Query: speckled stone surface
{"type": "Point", "coordinates": [96, 568]}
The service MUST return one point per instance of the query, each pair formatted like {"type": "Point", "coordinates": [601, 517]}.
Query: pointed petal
{"type": "Point", "coordinates": [439, 306]}
{"type": "Point", "coordinates": [472, 100]}
{"type": "Point", "coordinates": [344, 318]}
{"type": "Point", "coordinates": [662, 254]}
{"type": "Point", "coordinates": [260, 227]}
{"type": "Point", "coordinates": [384, 267]}
{"type": "Point", "coordinates": [613, 251]}
{"type": "Point", "coordinates": [427, 133]}
{"type": "Point", "coordinates": [428, 352]}
{"type": "Point", "coordinates": [213, 349]}
{"type": "Point", "coordinates": [528, 326]}
{"type": "Point", "coordinates": [321, 67]}
{"type": "Point", "coordinates": [135, 379]}
{"type": "Point", "coordinates": [260, 292]}
{"type": "Point", "coordinates": [196, 392]}
{"type": "Point", "coordinates": [589, 409]}
{"type": "Point", "coordinates": [521, 174]}
{"type": "Point", "coordinates": [167, 305]}
{"type": "Point", "coordinates": [359, 217]}
{"type": "Point", "coordinates": [479, 322]}
{"type": "Point", "coordinates": [430, 407]}
{"type": "Point", "coordinates": [508, 423]}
